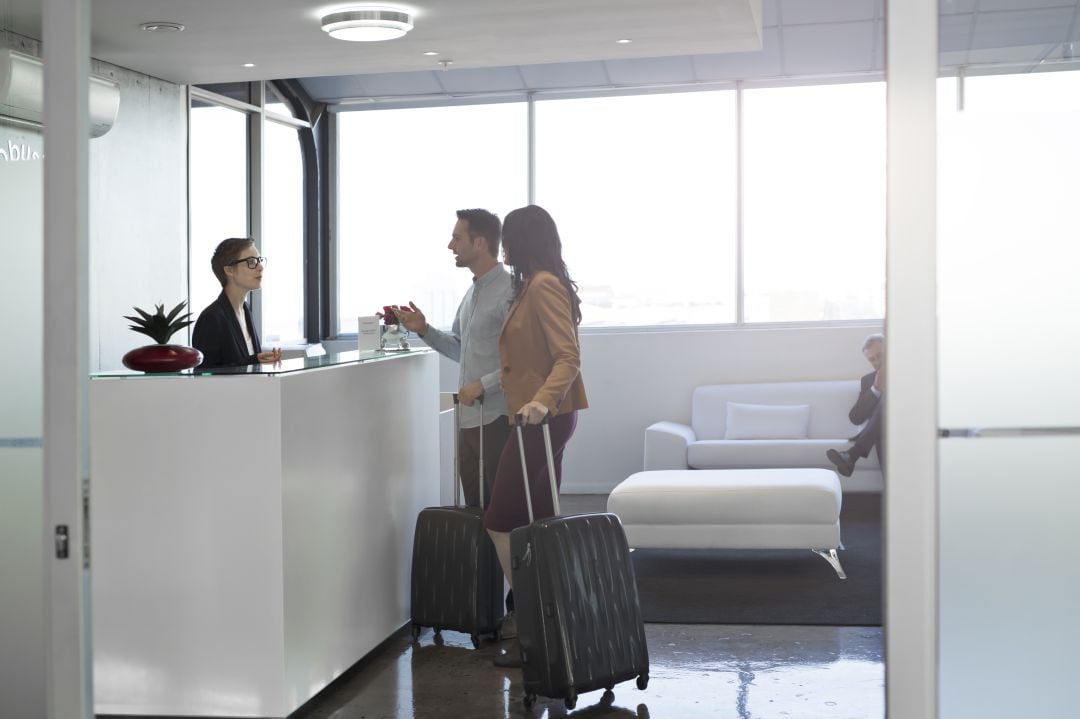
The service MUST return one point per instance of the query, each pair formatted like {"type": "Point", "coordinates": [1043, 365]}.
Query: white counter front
{"type": "Point", "coordinates": [251, 535]}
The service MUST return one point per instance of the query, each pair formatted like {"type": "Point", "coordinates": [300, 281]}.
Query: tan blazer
{"type": "Point", "coordinates": [541, 358]}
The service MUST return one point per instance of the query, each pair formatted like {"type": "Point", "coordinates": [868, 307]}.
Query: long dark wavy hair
{"type": "Point", "coordinates": [531, 243]}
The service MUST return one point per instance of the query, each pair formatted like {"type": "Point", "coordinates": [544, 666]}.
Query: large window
{"type": "Point", "coordinates": [669, 205]}
{"type": "Point", "coordinates": [226, 124]}
{"type": "Point", "coordinates": [218, 189]}
{"type": "Point", "coordinates": [282, 235]}
{"type": "Point", "coordinates": [814, 202]}
{"type": "Point", "coordinates": [643, 189]}
{"type": "Point", "coordinates": [402, 175]}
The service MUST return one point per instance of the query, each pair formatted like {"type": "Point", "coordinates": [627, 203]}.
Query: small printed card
{"type": "Point", "coordinates": [368, 333]}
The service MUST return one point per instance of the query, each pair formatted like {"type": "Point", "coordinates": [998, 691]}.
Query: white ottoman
{"type": "Point", "coordinates": [792, 508]}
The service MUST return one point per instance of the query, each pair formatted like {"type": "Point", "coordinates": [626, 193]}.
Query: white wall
{"type": "Point", "coordinates": [138, 212]}
{"type": "Point", "coordinates": [633, 379]}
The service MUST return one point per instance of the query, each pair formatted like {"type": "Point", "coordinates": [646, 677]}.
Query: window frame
{"type": "Point", "coordinates": [257, 115]}
{"type": "Point", "coordinates": [736, 86]}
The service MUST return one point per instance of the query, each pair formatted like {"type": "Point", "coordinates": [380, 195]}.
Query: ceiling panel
{"type": "Point", "coordinates": [954, 33]}
{"type": "Point", "coordinates": [488, 79]}
{"type": "Point", "coordinates": [1026, 27]}
{"type": "Point", "coordinates": [565, 75]}
{"type": "Point", "coordinates": [651, 71]}
{"type": "Point", "coordinates": [951, 7]}
{"type": "Point", "coordinates": [824, 49]}
{"type": "Point", "coordinates": [739, 65]}
{"type": "Point", "coordinates": [801, 12]}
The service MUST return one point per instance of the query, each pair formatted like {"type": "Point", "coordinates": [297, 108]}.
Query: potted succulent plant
{"type": "Point", "coordinates": [161, 357]}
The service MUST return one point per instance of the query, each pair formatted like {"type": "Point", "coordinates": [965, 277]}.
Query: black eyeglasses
{"type": "Point", "coordinates": [252, 262]}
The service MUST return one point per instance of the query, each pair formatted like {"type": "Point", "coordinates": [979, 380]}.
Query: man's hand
{"type": "Point", "coordinates": [879, 379]}
{"type": "Point", "coordinates": [534, 412]}
{"type": "Point", "coordinates": [412, 318]}
{"type": "Point", "coordinates": [470, 393]}
{"type": "Point", "coordinates": [270, 356]}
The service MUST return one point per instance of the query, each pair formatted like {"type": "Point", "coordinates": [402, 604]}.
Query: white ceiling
{"type": "Point", "coordinates": [283, 38]}
{"type": "Point", "coordinates": [523, 45]}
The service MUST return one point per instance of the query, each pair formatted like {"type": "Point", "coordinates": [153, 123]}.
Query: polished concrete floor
{"type": "Point", "coordinates": [700, 670]}
{"type": "Point", "coordinates": [743, 672]}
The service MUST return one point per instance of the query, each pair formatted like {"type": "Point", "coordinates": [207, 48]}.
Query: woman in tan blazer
{"type": "Point", "coordinates": [541, 375]}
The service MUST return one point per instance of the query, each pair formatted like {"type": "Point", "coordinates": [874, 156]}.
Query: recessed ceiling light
{"type": "Point", "coordinates": [368, 23]}
{"type": "Point", "coordinates": [162, 27]}
{"type": "Point", "coordinates": [249, 64]}
{"type": "Point", "coordinates": [431, 53]}
{"type": "Point", "coordinates": [624, 41]}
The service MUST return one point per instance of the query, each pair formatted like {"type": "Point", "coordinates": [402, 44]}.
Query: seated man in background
{"type": "Point", "coordinates": [868, 408]}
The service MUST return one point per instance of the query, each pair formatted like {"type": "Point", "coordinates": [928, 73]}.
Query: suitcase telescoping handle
{"type": "Point", "coordinates": [457, 450]}
{"type": "Point", "coordinates": [519, 420]}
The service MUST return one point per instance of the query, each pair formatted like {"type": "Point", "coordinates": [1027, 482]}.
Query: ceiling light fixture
{"type": "Point", "coordinates": [368, 23]}
{"type": "Point", "coordinates": [431, 53]}
{"type": "Point", "coordinates": [162, 27]}
{"type": "Point", "coordinates": [624, 41]}
{"type": "Point", "coordinates": [249, 64]}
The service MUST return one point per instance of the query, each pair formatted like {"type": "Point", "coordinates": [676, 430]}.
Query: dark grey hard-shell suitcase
{"type": "Point", "coordinates": [575, 595]}
{"type": "Point", "coordinates": [456, 580]}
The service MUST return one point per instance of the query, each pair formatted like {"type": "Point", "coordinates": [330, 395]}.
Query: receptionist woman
{"type": "Point", "coordinates": [224, 332]}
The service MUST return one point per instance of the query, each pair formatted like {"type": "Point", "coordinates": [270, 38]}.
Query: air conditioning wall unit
{"type": "Point", "coordinates": [22, 83]}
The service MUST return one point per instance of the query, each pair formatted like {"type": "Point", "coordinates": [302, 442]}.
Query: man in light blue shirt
{"type": "Point", "coordinates": [473, 342]}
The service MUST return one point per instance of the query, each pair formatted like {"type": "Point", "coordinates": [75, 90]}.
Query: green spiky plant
{"type": "Point", "coordinates": [160, 326]}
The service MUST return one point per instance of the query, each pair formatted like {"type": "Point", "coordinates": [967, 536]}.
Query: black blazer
{"type": "Point", "coordinates": [864, 405]}
{"type": "Point", "coordinates": [219, 337]}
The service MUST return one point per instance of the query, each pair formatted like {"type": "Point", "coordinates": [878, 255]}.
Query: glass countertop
{"type": "Point", "coordinates": [288, 366]}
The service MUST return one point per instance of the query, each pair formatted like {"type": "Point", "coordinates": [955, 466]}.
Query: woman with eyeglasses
{"type": "Point", "coordinates": [224, 332]}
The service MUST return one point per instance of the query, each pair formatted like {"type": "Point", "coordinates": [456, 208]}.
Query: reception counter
{"type": "Point", "coordinates": [252, 529]}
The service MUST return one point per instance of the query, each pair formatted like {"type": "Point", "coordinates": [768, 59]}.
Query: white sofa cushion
{"type": "Point", "coordinates": [724, 453]}
{"type": "Point", "coordinates": [829, 400]}
{"type": "Point", "coordinates": [767, 421]}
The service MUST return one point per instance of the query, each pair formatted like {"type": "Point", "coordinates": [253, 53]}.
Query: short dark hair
{"type": "Point", "coordinates": [483, 224]}
{"type": "Point", "coordinates": [228, 251]}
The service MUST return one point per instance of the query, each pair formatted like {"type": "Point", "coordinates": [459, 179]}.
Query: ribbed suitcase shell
{"type": "Point", "coordinates": [456, 580]}
{"type": "Point", "coordinates": [578, 617]}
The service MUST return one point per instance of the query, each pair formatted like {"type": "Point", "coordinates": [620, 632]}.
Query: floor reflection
{"type": "Point", "coordinates": [757, 672]}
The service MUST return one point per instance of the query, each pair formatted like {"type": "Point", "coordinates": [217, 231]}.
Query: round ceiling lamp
{"type": "Point", "coordinates": [368, 23]}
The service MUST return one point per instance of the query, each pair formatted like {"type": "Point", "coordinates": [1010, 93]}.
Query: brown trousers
{"type": "Point", "coordinates": [495, 435]}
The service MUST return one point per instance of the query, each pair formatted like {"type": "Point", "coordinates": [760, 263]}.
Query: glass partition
{"type": "Point", "coordinates": [287, 366]}
{"type": "Point", "coordinates": [1008, 351]}
{"type": "Point", "coordinates": [22, 600]}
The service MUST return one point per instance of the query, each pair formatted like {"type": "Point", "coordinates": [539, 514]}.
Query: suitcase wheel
{"type": "Point", "coordinates": [415, 632]}
{"type": "Point", "coordinates": [608, 698]}
{"type": "Point", "coordinates": [529, 700]}
{"type": "Point", "coordinates": [438, 638]}
{"type": "Point", "coordinates": [475, 640]}
{"type": "Point", "coordinates": [643, 681]}
{"type": "Point", "coordinates": [571, 699]}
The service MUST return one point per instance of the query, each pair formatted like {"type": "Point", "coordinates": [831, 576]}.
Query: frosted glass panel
{"type": "Point", "coordinates": [22, 657]}
{"type": "Point", "coordinates": [1009, 579]}
{"type": "Point", "coordinates": [1008, 293]}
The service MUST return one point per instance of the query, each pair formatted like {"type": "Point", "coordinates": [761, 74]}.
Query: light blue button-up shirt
{"type": "Point", "coordinates": [473, 341]}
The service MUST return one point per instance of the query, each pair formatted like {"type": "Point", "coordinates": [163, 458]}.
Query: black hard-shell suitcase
{"type": "Point", "coordinates": [578, 619]}
{"type": "Point", "coordinates": [456, 580]}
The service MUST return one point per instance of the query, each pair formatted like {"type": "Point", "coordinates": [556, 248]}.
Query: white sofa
{"type": "Point", "coordinates": [704, 443]}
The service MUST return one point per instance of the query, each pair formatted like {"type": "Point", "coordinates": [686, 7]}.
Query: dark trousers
{"type": "Point", "coordinates": [508, 510]}
{"type": "Point", "coordinates": [495, 434]}
{"type": "Point", "coordinates": [871, 435]}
